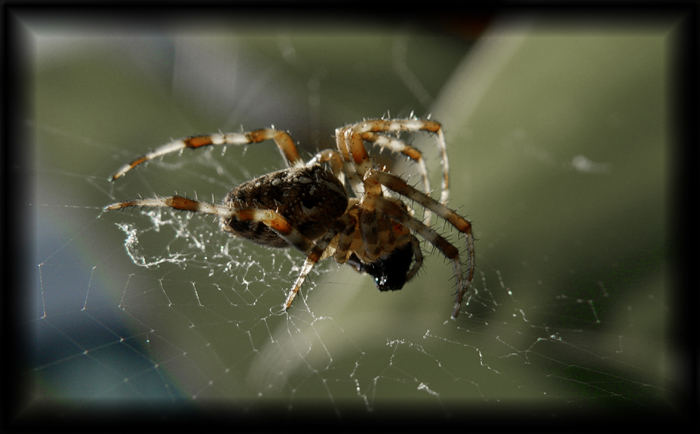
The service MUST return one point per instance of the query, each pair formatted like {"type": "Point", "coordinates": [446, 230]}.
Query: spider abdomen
{"type": "Point", "coordinates": [311, 198]}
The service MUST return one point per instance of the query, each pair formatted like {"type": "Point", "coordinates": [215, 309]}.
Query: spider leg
{"type": "Point", "coordinates": [348, 167]}
{"type": "Point", "coordinates": [418, 259]}
{"type": "Point", "coordinates": [270, 218]}
{"type": "Point", "coordinates": [282, 139]}
{"type": "Point", "coordinates": [177, 202]}
{"type": "Point", "coordinates": [317, 252]}
{"type": "Point", "coordinates": [333, 158]}
{"type": "Point", "coordinates": [394, 212]}
{"type": "Point", "coordinates": [397, 145]}
{"type": "Point", "coordinates": [461, 224]}
{"type": "Point", "coordinates": [305, 270]}
{"type": "Point", "coordinates": [352, 148]}
{"type": "Point", "coordinates": [400, 186]}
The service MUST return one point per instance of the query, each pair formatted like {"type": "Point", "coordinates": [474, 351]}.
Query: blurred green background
{"type": "Point", "coordinates": [560, 156]}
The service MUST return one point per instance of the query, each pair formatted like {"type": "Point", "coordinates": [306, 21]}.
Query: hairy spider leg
{"type": "Point", "coordinates": [354, 179]}
{"type": "Point", "coordinates": [343, 135]}
{"type": "Point", "coordinates": [332, 157]}
{"type": "Point", "coordinates": [397, 145]}
{"type": "Point", "coordinates": [395, 212]}
{"type": "Point", "coordinates": [282, 139]}
{"type": "Point", "coordinates": [270, 218]}
{"type": "Point", "coordinates": [451, 252]}
{"type": "Point", "coordinates": [354, 147]}
{"type": "Point", "coordinates": [317, 253]}
{"type": "Point", "coordinates": [418, 259]}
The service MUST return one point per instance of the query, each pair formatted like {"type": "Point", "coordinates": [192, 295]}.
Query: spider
{"type": "Point", "coordinates": [335, 205]}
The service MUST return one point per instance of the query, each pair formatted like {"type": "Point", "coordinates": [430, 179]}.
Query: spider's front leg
{"type": "Point", "coordinates": [349, 140]}
{"type": "Point", "coordinates": [283, 141]}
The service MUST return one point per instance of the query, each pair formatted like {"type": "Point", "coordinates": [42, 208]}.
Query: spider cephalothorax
{"type": "Point", "coordinates": [334, 205]}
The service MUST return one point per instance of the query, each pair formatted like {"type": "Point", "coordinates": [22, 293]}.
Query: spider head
{"type": "Point", "coordinates": [389, 273]}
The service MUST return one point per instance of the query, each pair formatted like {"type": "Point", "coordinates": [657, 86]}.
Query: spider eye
{"type": "Point", "coordinates": [389, 273]}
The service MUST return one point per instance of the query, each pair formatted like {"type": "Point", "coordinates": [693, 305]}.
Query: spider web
{"type": "Point", "coordinates": [559, 156]}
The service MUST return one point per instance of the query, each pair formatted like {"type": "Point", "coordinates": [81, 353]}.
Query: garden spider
{"type": "Point", "coordinates": [308, 205]}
